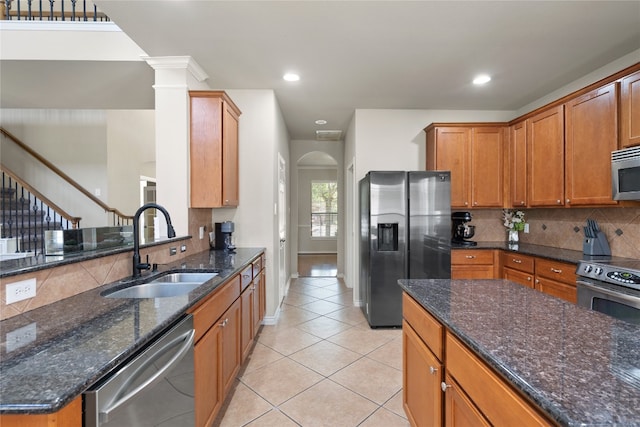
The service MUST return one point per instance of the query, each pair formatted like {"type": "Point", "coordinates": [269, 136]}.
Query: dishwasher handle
{"type": "Point", "coordinates": [120, 399]}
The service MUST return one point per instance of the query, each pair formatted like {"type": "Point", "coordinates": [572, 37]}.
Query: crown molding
{"type": "Point", "coordinates": [177, 62]}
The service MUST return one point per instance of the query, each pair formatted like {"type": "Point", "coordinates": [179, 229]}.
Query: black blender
{"type": "Point", "coordinates": [460, 230]}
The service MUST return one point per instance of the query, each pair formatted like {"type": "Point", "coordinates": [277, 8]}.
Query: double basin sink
{"type": "Point", "coordinates": [169, 285]}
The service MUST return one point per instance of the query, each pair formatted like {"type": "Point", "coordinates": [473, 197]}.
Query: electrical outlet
{"type": "Point", "coordinates": [526, 227]}
{"type": "Point", "coordinates": [19, 291]}
{"type": "Point", "coordinates": [172, 251]}
{"type": "Point", "coordinates": [183, 248]}
{"type": "Point", "coordinates": [21, 337]}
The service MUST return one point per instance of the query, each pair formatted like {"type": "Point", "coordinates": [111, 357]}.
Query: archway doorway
{"type": "Point", "coordinates": [318, 210]}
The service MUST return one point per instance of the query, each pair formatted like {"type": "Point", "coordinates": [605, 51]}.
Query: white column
{"type": "Point", "coordinates": [174, 76]}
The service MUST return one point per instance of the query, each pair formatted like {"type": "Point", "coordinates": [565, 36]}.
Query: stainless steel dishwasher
{"type": "Point", "coordinates": [154, 388]}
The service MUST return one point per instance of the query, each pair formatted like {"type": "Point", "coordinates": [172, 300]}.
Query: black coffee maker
{"type": "Point", "coordinates": [460, 230]}
{"type": "Point", "coordinates": [224, 230]}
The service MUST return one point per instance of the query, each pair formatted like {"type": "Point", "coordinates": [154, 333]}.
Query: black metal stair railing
{"type": "Point", "coordinates": [50, 10]}
{"type": "Point", "coordinates": [25, 217]}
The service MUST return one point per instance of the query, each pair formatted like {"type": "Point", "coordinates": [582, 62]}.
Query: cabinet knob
{"type": "Point", "coordinates": [537, 281]}
{"type": "Point", "coordinates": [568, 201]}
{"type": "Point", "coordinates": [528, 278]}
{"type": "Point", "coordinates": [517, 261]}
{"type": "Point", "coordinates": [470, 256]}
{"type": "Point", "coordinates": [444, 386]}
{"type": "Point", "coordinates": [224, 322]}
{"type": "Point", "coordinates": [522, 203]}
{"type": "Point", "coordinates": [555, 270]}
{"type": "Point", "coordinates": [475, 203]}
{"type": "Point", "coordinates": [558, 201]}
{"type": "Point", "coordinates": [466, 203]}
{"type": "Point", "coordinates": [432, 370]}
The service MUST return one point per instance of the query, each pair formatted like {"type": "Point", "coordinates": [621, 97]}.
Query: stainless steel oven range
{"type": "Point", "coordinates": [610, 287]}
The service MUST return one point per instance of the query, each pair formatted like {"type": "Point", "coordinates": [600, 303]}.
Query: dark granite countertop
{"type": "Point", "coordinates": [579, 366]}
{"type": "Point", "coordinates": [555, 254]}
{"type": "Point", "coordinates": [50, 355]}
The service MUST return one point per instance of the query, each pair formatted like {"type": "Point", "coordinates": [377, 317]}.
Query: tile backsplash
{"type": "Point", "coordinates": [562, 228]}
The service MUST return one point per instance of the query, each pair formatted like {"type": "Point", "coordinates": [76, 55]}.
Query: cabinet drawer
{"type": "Point", "coordinates": [246, 276]}
{"type": "Point", "coordinates": [556, 270]}
{"type": "Point", "coordinates": [518, 262]}
{"type": "Point", "coordinates": [518, 276]}
{"type": "Point", "coordinates": [565, 291]}
{"type": "Point", "coordinates": [257, 266]}
{"type": "Point", "coordinates": [425, 325]}
{"type": "Point", "coordinates": [207, 313]}
{"type": "Point", "coordinates": [486, 389]}
{"type": "Point", "coordinates": [471, 256]}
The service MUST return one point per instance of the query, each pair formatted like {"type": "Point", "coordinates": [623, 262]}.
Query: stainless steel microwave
{"type": "Point", "coordinates": [625, 174]}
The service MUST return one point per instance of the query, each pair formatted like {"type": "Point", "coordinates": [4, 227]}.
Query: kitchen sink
{"type": "Point", "coordinates": [170, 285]}
{"type": "Point", "coordinates": [183, 277]}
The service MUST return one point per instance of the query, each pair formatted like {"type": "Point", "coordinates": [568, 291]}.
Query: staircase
{"type": "Point", "coordinates": [24, 218]}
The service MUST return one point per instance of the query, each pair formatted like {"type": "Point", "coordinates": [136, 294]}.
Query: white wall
{"type": "Point", "coordinates": [262, 135]}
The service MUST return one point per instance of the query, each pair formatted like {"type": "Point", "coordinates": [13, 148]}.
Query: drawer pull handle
{"type": "Point", "coordinates": [517, 261]}
{"type": "Point", "coordinates": [224, 322]}
{"type": "Point", "coordinates": [444, 386]}
{"type": "Point", "coordinates": [556, 270]}
{"type": "Point", "coordinates": [470, 256]}
{"type": "Point", "coordinates": [432, 370]}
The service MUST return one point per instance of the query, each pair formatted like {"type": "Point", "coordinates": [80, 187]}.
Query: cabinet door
{"type": "Point", "coordinates": [257, 298]}
{"type": "Point", "coordinates": [208, 389]}
{"type": "Point", "coordinates": [421, 377]}
{"type": "Point", "coordinates": [472, 272]}
{"type": "Point", "coordinates": [545, 158]}
{"type": "Point", "coordinates": [630, 111]}
{"type": "Point", "coordinates": [487, 166]}
{"type": "Point", "coordinates": [205, 151]}
{"type": "Point", "coordinates": [230, 166]}
{"type": "Point", "coordinates": [518, 164]}
{"type": "Point", "coordinates": [246, 334]}
{"type": "Point", "coordinates": [525, 279]}
{"type": "Point", "coordinates": [69, 416]}
{"type": "Point", "coordinates": [459, 409]}
{"type": "Point", "coordinates": [230, 324]}
{"type": "Point", "coordinates": [591, 135]}
{"type": "Point", "coordinates": [452, 153]}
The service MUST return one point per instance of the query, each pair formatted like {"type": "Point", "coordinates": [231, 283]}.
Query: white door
{"type": "Point", "coordinates": [282, 225]}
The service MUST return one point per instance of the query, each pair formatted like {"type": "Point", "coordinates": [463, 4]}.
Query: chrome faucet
{"type": "Point", "coordinates": [137, 265]}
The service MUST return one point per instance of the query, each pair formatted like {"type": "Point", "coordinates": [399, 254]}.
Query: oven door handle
{"type": "Point", "coordinates": [620, 297]}
{"type": "Point", "coordinates": [188, 338]}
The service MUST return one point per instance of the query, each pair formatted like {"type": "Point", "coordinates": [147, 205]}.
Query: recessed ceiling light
{"type": "Point", "coordinates": [291, 77]}
{"type": "Point", "coordinates": [321, 122]}
{"type": "Point", "coordinates": [481, 79]}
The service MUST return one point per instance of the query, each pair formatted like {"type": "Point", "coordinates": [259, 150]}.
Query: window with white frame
{"type": "Point", "coordinates": [324, 209]}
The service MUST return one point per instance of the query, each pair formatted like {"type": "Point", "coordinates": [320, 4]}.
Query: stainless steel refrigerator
{"type": "Point", "coordinates": [405, 233]}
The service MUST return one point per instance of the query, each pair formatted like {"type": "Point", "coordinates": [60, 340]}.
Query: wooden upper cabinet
{"type": "Point", "coordinates": [545, 158]}
{"type": "Point", "coordinates": [487, 148]}
{"type": "Point", "coordinates": [213, 150]}
{"type": "Point", "coordinates": [630, 110]}
{"type": "Point", "coordinates": [474, 155]}
{"type": "Point", "coordinates": [591, 134]}
{"type": "Point", "coordinates": [518, 164]}
{"type": "Point", "coordinates": [448, 150]}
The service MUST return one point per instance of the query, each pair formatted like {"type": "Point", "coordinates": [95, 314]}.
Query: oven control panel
{"type": "Point", "coordinates": [610, 274]}
{"type": "Point", "coordinates": [624, 277]}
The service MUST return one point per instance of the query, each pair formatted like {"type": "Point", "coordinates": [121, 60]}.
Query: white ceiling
{"type": "Point", "coordinates": [384, 54]}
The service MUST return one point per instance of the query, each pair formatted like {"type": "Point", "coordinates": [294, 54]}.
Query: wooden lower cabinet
{"type": "Point", "coordinates": [556, 278]}
{"type": "Point", "coordinates": [225, 329]}
{"type": "Point", "coordinates": [459, 389]}
{"type": "Point", "coordinates": [208, 391]}
{"type": "Point", "coordinates": [459, 410]}
{"type": "Point", "coordinates": [565, 291]}
{"type": "Point", "coordinates": [473, 264]}
{"type": "Point", "coordinates": [69, 416]}
{"type": "Point", "coordinates": [422, 374]}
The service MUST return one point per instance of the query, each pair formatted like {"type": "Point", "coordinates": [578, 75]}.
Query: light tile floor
{"type": "Point", "coordinates": [321, 365]}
